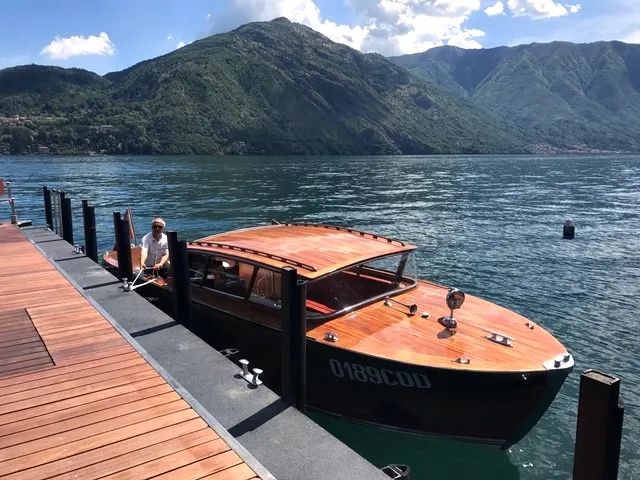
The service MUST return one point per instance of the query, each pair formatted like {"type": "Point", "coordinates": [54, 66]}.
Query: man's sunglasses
{"type": "Point", "coordinates": [157, 226]}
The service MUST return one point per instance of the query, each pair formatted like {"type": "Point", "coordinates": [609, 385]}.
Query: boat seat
{"type": "Point", "coordinates": [267, 285]}
{"type": "Point", "coordinates": [318, 307]}
{"type": "Point", "coordinates": [245, 271]}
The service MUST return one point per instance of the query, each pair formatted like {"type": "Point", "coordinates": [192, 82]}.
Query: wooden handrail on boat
{"type": "Point", "coordinates": [252, 251]}
{"type": "Point", "coordinates": [350, 230]}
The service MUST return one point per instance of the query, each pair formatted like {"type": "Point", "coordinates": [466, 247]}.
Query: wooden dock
{"type": "Point", "coordinates": [77, 400]}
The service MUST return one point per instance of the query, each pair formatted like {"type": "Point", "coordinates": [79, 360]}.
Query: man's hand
{"type": "Point", "coordinates": [157, 266]}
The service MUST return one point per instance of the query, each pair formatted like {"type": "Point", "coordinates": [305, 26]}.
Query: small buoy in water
{"type": "Point", "coordinates": [569, 230]}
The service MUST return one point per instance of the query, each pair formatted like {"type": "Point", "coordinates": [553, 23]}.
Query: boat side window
{"type": "Point", "coordinates": [267, 288]}
{"type": "Point", "coordinates": [267, 291]}
{"type": "Point", "coordinates": [197, 267]}
{"type": "Point", "coordinates": [227, 276]}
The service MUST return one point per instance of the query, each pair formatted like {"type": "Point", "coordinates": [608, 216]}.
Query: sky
{"type": "Point", "coordinates": [110, 35]}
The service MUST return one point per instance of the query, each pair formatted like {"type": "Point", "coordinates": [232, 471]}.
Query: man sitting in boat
{"type": "Point", "coordinates": [155, 249]}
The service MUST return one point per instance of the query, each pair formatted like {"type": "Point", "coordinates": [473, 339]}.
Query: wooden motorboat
{"type": "Point", "coordinates": [384, 347]}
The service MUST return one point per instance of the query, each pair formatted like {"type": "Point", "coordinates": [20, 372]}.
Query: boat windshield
{"type": "Point", "coordinates": [361, 283]}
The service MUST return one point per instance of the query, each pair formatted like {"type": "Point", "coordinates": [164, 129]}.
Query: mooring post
{"type": "Point", "coordinates": [61, 200]}
{"type": "Point", "coordinates": [47, 207]}
{"type": "Point", "coordinates": [123, 247]}
{"type": "Point", "coordinates": [288, 279]}
{"type": "Point", "coordinates": [599, 428]}
{"type": "Point", "coordinates": [299, 332]}
{"type": "Point", "coordinates": [58, 213]}
{"type": "Point", "coordinates": [181, 282]}
{"type": "Point", "coordinates": [89, 223]}
{"type": "Point", "coordinates": [54, 209]}
{"type": "Point", "coordinates": [293, 369]}
{"type": "Point", "coordinates": [116, 226]}
{"type": "Point", "coordinates": [12, 203]}
{"type": "Point", "coordinates": [67, 220]}
{"type": "Point", "coordinates": [124, 252]}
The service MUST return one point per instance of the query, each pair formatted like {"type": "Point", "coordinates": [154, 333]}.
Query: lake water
{"type": "Point", "coordinates": [491, 226]}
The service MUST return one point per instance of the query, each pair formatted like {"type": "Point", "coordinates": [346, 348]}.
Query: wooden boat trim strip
{"type": "Point", "coordinates": [349, 230]}
{"type": "Point", "coordinates": [253, 251]}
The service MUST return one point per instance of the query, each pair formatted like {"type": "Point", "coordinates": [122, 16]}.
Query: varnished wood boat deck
{"type": "Point", "coordinates": [77, 400]}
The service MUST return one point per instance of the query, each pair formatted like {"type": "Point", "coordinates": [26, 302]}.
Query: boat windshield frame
{"type": "Point", "coordinates": [412, 282]}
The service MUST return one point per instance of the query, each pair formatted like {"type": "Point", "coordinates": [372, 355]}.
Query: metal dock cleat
{"type": "Point", "coordinates": [252, 378]}
{"type": "Point", "coordinates": [500, 338]}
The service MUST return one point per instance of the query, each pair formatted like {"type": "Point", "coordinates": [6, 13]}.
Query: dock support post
{"type": "Point", "coordinates": [12, 203]}
{"type": "Point", "coordinates": [67, 221]}
{"type": "Point", "coordinates": [181, 282]}
{"type": "Point", "coordinates": [116, 226]}
{"type": "Point", "coordinates": [599, 428]}
{"type": "Point", "coordinates": [294, 339]}
{"type": "Point", "coordinates": [89, 223]}
{"type": "Point", "coordinates": [61, 197]}
{"type": "Point", "coordinates": [47, 207]}
{"type": "Point", "coordinates": [123, 247]}
{"type": "Point", "coordinates": [55, 195]}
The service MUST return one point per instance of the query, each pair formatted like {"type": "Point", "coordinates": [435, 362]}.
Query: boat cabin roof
{"type": "Point", "coordinates": [313, 249]}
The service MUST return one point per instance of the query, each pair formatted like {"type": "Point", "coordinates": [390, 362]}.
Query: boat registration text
{"type": "Point", "coordinates": [366, 373]}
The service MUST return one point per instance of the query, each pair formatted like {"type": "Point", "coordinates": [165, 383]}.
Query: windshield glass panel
{"type": "Point", "coordinates": [354, 285]}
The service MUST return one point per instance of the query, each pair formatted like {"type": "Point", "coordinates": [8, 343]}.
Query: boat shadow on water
{"type": "Point", "coordinates": [428, 458]}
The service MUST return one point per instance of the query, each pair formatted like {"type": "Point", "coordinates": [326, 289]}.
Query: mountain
{"type": "Point", "coordinates": [267, 87]}
{"type": "Point", "coordinates": [569, 96]}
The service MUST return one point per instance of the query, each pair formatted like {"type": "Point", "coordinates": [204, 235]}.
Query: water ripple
{"type": "Point", "coordinates": [489, 225]}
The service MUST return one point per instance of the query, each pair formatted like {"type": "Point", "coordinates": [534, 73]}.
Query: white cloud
{"type": "Point", "coordinates": [179, 42]}
{"type": "Point", "coordinates": [465, 39]}
{"type": "Point", "coordinates": [633, 37]}
{"type": "Point", "coordinates": [411, 26]}
{"type": "Point", "coordinates": [63, 48]}
{"type": "Point", "coordinates": [389, 27]}
{"type": "Point", "coordinates": [494, 10]}
{"type": "Point", "coordinates": [538, 9]}
{"type": "Point", "coordinates": [306, 12]}
{"type": "Point", "coordinates": [620, 21]}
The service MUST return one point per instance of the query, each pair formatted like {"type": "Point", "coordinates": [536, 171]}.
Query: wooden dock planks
{"type": "Point", "coordinates": [77, 400]}
{"type": "Point", "coordinates": [21, 348]}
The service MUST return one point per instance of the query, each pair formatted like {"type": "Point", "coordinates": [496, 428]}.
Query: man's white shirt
{"type": "Point", "coordinates": [156, 249]}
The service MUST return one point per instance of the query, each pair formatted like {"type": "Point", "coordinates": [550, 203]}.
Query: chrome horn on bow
{"type": "Point", "coordinates": [413, 308]}
{"type": "Point", "coordinates": [455, 299]}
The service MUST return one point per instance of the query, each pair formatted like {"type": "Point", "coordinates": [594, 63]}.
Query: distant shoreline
{"type": "Point", "coordinates": [530, 154]}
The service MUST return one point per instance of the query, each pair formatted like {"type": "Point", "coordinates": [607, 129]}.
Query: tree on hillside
{"type": "Point", "coordinates": [21, 140]}
{"type": "Point", "coordinates": [43, 136]}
